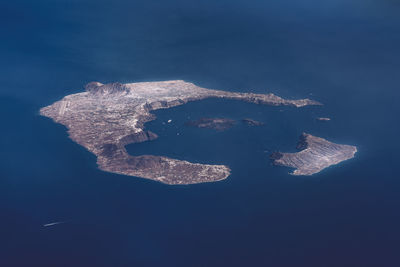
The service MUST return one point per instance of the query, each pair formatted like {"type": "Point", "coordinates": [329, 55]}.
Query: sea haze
{"type": "Point", "coordinates": [344, 54]}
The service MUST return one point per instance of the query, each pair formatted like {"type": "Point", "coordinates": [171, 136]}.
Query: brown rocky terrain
{"type": "Point", "coordinates": [315, 155]}
{"type": "Point", "coordinates": [107, 117]}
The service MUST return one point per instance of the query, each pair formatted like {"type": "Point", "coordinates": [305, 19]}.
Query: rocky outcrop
{"type": "Point", "coordinates": [276, 155]}
{"type": "Point", "coordinates": [110, 89]}
{"type": "Point", "coordinates": [138, 137]}
{"type": "Point", "coordinates": [219, 124]}
{"type": "Point", "coordinates": [251, 122]}
{"type": "Point", "coordinates": [109, 150]}
{"type": "Point", "coordinates": [315, 155]}
{"type": "Point", "coordinates": [107, 117]}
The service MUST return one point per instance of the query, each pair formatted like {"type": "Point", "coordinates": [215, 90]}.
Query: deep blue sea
{"type": "Point", "coordinates": [343, 53]}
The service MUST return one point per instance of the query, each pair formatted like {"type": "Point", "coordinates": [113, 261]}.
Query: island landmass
{"type": "Point", "coordinates": [107, 117]}
{"type": "Point", "coordinates": [315, 155]}
{"type": "Point", "coordinates": [219, 124]}
{"type": "Point", "coordinates": [251, 122]}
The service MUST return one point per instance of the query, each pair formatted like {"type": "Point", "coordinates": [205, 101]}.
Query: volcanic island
{"type": "Point", "coordinates": [218, 124]}
{"type": "Point", "coordinates": [107, 117]}
{"type": "Point", "coordinates": [315, 155]}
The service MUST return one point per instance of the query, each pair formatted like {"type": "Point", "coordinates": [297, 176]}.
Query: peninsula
{"type": "Point", "coordinates": [107, 117]}
{"type": "Point", "coordinates": [315, 155]}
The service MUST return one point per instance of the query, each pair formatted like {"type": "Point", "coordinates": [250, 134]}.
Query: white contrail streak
{"type": "Point", "coordinates": [53, 223]}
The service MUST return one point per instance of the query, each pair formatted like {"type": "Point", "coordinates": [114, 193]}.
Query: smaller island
{"type": "Point", "coordinates": [251, 122]}
{"type": "Point", "coordinates": [218, 124]}
{"type": "Point", "coordinates": [323, 119]}
{"type": "Point", "coordinates": [315, 155]}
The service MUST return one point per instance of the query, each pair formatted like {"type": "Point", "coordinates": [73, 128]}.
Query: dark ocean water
{"type": "Point", "coordinates": [343, 53]}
